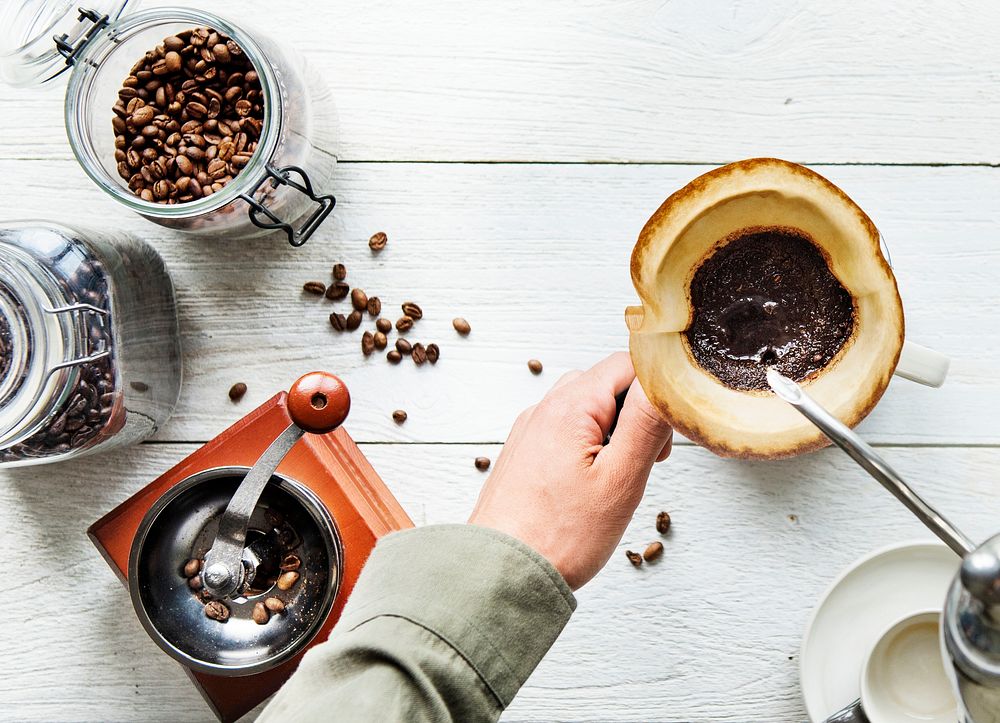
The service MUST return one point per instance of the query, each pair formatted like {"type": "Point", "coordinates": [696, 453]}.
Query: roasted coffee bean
{"type": "Point", "coordinates": [195, 582]}
{"type": "Point", "coordinates": [399, 416]}
{"type": "Point", "coordinates": [338, 321]}
{"type": "Point", "coordinates": [413, 311]}
{"type": "Point", "coordinates": [383, 325]}
{"type": "Point", "coordinates": [394, 356]}
{"type": "Point", "coordinates": [482, 463]}
{"type": "Point", "coordinates": [260, 615]}
{"type": "Point", "coordinates": [275, 605]}
{"type": "Point", "coordinates": [367, 343]}
{"type": "Point", "coordinates": [652, 551]}
{"type": "Point", "coordinates": [663, 523]}
{"type": "Point", "coordinates": [192, 567]}
{"type": "Point", "coordinates": [290, 561]}
{"type": "Point", "coordinates": [461, 326]}
{"type": "Point", "coordinates": [139, 386]}
{"type": "Point", "coordinates": [339, 272]}
{"type": "Point", "coordinates": [359, 299]}
{"type": "Point", "coordinates": [317, 288]}
{"type": "Point", "coordinates": [433, 353]}
{"type": "Point", "coordinates": [374, 306]}
{"type": "Point", "coordinates": [287, 580]}
{"type": "Point", "coordinates": [337, 290]}
{"type": "Point", "coordinates": [353, 320]}
{"type": "Point", "coordinates": [380, 340]}
{"type": "Point", "coordinates": [188, 98]}
{"type": "Point", "coordinates": [378, 241]}
{"type": "Point", "coordinates": [404, 324]}
{"type": "Point", "coordinates": [217, 611]}
{"type": "Point", "coordinates": [419, 354]}
{"type": "Point", "coordinates": [237, 391]}
{"type": "Point", "coordinates": [634, 557]}
{"type": "Point", "coordinates": [403, 346]}
{"type": "Point", "coordinates": [535, 366]}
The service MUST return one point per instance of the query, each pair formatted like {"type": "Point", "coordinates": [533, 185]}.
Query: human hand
{"type": "Point", "coordinates": [557, 488]}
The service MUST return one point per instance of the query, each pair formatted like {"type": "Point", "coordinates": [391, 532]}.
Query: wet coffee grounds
{"type": "Point", "coordinates": [767, 298]}
{"type": "Point", "coordinates": [6, 348]}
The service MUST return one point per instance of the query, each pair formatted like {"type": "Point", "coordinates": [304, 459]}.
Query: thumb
{"type": "Point", "coordinates": [641, 436]}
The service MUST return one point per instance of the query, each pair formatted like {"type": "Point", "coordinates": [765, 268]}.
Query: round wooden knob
{"type": "Point", "coordinates": [318, 402]}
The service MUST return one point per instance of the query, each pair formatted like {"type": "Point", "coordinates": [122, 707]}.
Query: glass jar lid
{"type": "Point", "coordinates": [39, 337]}
{"type": "Point", "coordinates": [38, 38]}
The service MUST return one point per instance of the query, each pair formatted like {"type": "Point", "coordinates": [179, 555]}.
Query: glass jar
{"type": "Point", "coordinates": [282, 186]}
{"type": "Point", "coordinates": [89, 343]}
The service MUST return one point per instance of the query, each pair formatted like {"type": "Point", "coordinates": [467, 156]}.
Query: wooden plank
{"type": "Point", "coordinates": [712, 632]}
{"type": "Point", "coordinates": [641, 81]}
{"type": "Point", "coordinates": [536, 257]}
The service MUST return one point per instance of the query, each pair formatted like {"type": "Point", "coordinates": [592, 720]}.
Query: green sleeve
{"type": "Point", "coordinates": [445, 624]}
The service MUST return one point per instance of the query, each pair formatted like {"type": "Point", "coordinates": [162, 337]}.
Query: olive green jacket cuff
{"type": "Point", "coordinates": [445, 622]}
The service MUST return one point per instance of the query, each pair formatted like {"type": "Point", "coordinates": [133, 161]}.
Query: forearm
{"type": "Point", "coordinates": [445, 623]}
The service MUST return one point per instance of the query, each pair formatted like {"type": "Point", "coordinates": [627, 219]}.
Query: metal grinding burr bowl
{"type": "Point", "coordinates": [183, 524]}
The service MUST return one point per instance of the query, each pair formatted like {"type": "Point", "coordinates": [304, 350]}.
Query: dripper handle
{"type": "Point", "coordinates": [318, 402]}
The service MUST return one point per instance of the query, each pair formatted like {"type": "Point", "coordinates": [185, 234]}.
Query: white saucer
{"type": "Point", "coordinates": [860, 604]}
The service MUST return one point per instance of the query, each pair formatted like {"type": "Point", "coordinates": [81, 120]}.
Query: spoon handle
{"type": "Point", "coordinates": [862, 453]}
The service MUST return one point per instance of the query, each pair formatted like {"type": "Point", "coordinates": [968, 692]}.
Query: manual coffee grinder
{"type": "Point", "coordinates": [282, 508]}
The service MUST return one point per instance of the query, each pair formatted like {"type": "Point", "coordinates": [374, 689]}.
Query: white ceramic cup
{"type": "Point", "coordinates": [903, 679]}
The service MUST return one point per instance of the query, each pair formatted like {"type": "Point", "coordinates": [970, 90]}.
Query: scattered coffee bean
{"type": "Point", "coordinates": [482, 463]}
{"type": "Point", "coordinates": [195, 582]}
{"type": "Point", "coordinates": [192, 567]}
{"type": "Point", "coordinates": [374, 306]}
{"type": "Point", "coordinates": [287, 580]}
{"type": "Point", "coordinates": [260, 614]}
{"type": "Point", "coordinates": [274, 604]}
{"type": "Point", "coordinates": [394, 356]}
{"type": "Point", "coordinates": [359, 299]}
{"type": "Point", "coordinates": [316, 288]}
{"type": "Point", "coordinates": [535, 366]}
{"type": "Point", "coordinates": [433, 353]}
{"type": "Point", "coordinates": [339, 272]}
{"type": "Point", "coordinates": [461, 326]}
{"type": "Point", "coordinates": [237, 391]}
{"type": "Point", "coordinates": [367, 343]}
{"type": "Point", "coordinates": [337, 290]}
{"type": "Point", "coordinates": [399, 416]}
{"type": "Point", "coordinates": [419, 354]}
{"type": "Point", "coordinates": [634, 557]}
{"type": "Point", "coordinates": [383, 325]}
{"type": "Point", "coordinates": [378, 241]}
{"type": "Point", "coordinates": [217, 611]}
{"type": "Point", "coordinates": [652, 551]}
{"type": "Point", "coordinates": [188, 117]}
{"type": "Point", "coordinates": [663, 523]}
{"type": "Point", "coordinates": [290, 562]}
{"type": "Point", "coordinates": [137, 386]}
{"type": "Point", "coordinates": [353, 320]}
{"type": "Point", "coordinates": [338, 321]}
{"type": "Point", "coordinates": [404, 324]}
{"type": "Point", "coordinates": [413, 311]}
{"type": "Point", "coordinates": [403, 346]}
{"type": "Point", "coordinates": [380, 340]}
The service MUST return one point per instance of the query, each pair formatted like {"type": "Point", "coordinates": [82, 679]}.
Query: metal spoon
{"type": "Point", "coordinates": [862, 453]}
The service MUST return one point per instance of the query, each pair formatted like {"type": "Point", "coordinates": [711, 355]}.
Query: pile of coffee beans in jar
{"type": "Point", "coordinates": [188, 117]}
{"type": "Point", "coordinates": [87, 415]}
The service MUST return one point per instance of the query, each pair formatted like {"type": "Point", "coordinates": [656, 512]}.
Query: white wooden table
{"type": "Point", "coordinates": [512, 151]}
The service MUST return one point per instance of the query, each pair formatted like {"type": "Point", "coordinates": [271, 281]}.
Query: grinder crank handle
{"type": "Point", "coordinates": [318, 403]}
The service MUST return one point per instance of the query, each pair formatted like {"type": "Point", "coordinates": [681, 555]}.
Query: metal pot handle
{"type": "Point", "coordinates": [263, 217]}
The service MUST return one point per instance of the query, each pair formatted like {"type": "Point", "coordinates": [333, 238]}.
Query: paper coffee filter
{"type": "Point", "coordinates": [683, 232]}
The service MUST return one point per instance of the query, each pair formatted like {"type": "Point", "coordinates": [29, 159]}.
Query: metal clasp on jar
{"type": "Point", "coordinates": [92, 355]}
{"type": "Point", "coordinates": [281, 176]}
{"type": "Point", "coordinates": [70, 52]}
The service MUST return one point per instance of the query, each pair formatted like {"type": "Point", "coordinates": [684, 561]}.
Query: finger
{"type": "Point", "coordinates": [567, 378]}
{"type": "Point", "coordinates": [602, 382]}
{"type": "Point", "coordinates": [641, 435]}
